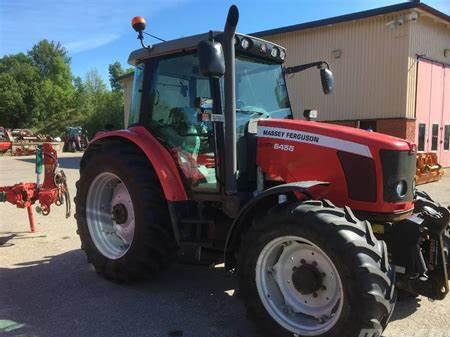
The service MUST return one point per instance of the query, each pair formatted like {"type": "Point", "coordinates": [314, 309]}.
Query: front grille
{"type": "Point", "coordinates": [360, 176]}
{"type": "Point", "coordinates": [397, 166]}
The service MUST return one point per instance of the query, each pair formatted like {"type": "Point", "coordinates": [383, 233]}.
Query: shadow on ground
{"type": "Point", "coordinates": [62, 296]}
{"type": "Point", "coordinates": [405, 307]}
{"type": "Point", "coordinates": [64, 162]}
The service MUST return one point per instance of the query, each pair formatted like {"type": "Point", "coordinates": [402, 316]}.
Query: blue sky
{"type": "Point", "coordinates": [98, 32]}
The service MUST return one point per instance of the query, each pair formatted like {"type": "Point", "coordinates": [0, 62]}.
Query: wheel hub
{"type": "Point", "coordinates": [119, 214]}
{"type": "Point", "coordinates": [299, 285]}
{"type": "Point", "coordinates": [307, 279]}
{"type": "Point", "coordinates": [110, 215]}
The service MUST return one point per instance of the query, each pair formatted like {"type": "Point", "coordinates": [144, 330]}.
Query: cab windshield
{"type": "Point", "coordinates": [260, 91]}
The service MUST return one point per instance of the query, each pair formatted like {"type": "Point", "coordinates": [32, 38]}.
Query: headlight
{"type": "Point", "coordinates": [245, 43]}
{"type": "Point", "coordinates": [274, 52]}
{"type": "Point", "coordinates": [401, 188]}
{"type": "Point", "coordinates": [263, 48]}
{"type": "Point", "coordinates": [282, 54]}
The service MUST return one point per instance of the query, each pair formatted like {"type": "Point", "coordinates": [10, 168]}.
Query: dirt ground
{"type": "Point", "coordinates": [48, 290]}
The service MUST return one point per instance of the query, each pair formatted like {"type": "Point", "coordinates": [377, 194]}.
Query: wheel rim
{"type": "Point", "coordinates": [110, 215]}
{"type": "Point", "coordinates": [304, 307]}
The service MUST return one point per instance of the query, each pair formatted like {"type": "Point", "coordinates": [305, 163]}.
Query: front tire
{"type": "Point", "coordinates": [121, 214]}
{"type": "Point", "coordinates": [329, 277]}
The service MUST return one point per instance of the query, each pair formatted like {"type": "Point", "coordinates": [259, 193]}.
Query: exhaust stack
{"type": "Point", "coordinates": [230, 101]}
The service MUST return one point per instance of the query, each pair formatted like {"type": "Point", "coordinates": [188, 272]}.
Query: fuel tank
{"type": "Point", "coordinates": [372, 173]}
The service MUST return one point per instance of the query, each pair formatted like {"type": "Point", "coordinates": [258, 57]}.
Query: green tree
{"type": "Point", "coordinates": [97, 104]}
{"type": "Point", "coordinates": [94, 83]}
{"type": "Point", "coordinates": [38, 91]}
{"type": "Point", "coordinates": [19, 84]}
{"type": "Point", "coordinates": [115, 71]}
{"type": "Point", "coordinates": [12, 107]}
{"type": "Point", "coordinates": [53, 62]}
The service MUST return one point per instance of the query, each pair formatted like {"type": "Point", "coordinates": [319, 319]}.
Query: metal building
{"type": "Point", "coordinates": [392, 71]}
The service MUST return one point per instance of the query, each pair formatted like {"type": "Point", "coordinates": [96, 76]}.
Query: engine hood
{"type": "Point", "coordinates": [363, 168]}
{"type": "Point", "coordinates": [339, 137]}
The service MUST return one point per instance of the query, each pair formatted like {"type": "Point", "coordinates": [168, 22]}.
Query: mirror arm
{"type": "Point", "coordinates": [302, 67]}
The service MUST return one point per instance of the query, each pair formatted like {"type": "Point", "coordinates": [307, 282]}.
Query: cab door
{"type": "Point", "coordinates": [175, 119]}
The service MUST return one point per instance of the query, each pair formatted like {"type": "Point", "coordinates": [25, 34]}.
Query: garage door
{"type": "Point", "coordinates": [433, 109]}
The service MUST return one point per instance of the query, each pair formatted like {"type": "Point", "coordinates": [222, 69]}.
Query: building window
{"type": "Point", "coordinates": [434, 137]}
{"type": "Point", "coordinates": [447, 137]}
{"type": "Point", "coordinates": [368, 125]}
{"type": "Point", "coordinates": [421, 145]}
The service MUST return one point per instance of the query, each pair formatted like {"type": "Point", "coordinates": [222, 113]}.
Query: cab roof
{"type": "Point", "coordinates": [187, 44]}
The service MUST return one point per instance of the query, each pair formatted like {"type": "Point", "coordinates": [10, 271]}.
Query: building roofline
{"type": "Point", "coordinates": [126, 75]}
{"type": "Point", "coordinates": [354, 16]}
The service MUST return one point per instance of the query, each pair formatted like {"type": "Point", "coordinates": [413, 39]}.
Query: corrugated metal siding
{"type": "Point", "coordinates": [370, 75]}
{"type": "Point", "coordinates": [428, 38]}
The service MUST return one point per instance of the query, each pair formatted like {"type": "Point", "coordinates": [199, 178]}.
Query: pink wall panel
{"type": "Point", "coordinates": [436, 104]}
{"type": "Point", "coordinates": [433, 105]}
{"type": "Point", "coordinates": [445, 154]}
{"type": "Point", "coordinates": [423, 98]}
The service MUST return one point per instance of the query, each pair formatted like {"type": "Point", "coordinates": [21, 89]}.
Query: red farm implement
{"type": "Point", "coordinates": [53, 189]}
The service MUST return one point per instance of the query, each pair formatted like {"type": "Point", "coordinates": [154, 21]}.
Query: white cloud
{"type": "Point", "coordinates": [90, 43]}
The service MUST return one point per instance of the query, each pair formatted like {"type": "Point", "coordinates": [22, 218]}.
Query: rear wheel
{"type": "Point", "coordinates": [121, 214]}
{"type": "Point", "coordinates": [311, 269]}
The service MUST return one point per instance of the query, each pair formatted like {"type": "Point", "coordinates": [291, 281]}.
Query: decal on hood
{"type": "Point", "coordinates": [314, 139]}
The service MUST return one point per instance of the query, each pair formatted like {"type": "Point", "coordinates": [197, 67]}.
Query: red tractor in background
{"type": "Point", "coordinates": [321, 223]}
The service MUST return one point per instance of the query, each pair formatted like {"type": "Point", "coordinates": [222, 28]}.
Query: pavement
{"type": "Point", "coordinates": [47, 289]}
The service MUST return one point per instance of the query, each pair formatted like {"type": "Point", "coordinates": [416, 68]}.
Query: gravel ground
{"type": "Point", "coordinates": [48, 289]}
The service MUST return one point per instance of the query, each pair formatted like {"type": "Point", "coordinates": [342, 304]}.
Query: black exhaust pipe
{"type": "Point", "coordinates": [230, 102]}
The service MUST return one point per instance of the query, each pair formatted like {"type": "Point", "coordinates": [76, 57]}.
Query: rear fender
{"type": "Point", "coordinates": [263, 201]}
{"type": "Point", "coordinates": [161, 160]}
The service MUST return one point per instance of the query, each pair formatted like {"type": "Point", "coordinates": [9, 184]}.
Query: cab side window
{"type": "Point", "coordinates": [175, 119]}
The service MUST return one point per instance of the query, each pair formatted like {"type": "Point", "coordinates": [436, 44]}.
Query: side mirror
{"type": "Point", "coordinates": [211, 59]}
{"type": "Point", "coordinates": [326, 76]}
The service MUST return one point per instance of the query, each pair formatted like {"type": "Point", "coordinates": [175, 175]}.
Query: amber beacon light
{"type": "Point", "coordinates": [138, 23]}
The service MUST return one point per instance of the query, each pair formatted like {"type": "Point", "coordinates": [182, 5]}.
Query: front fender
{"type": "Point", "coordinates": [161, 160]}
{"type": "Point", "coordinates": [243, 221]}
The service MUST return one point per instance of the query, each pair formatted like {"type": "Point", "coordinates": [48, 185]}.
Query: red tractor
{"type": "Point", "coordinates": [321, 223]}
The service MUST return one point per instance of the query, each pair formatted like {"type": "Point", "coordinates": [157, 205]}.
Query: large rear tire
{"type": "Point", "coordinates": [121, 214]}
{"type": "Point", "coordinates": [311, 269]}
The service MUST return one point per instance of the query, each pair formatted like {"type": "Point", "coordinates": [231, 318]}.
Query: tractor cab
{"type": "Point", "coordinates": [182, 106]}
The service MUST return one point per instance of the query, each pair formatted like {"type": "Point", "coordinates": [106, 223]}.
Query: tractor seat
{"type": "Point", "coordinates": [183, 121]}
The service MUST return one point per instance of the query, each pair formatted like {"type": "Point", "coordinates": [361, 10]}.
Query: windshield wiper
{"type": "Point", "coordinates": [251, 112]}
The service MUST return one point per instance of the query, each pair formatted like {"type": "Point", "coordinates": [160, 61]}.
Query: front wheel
{"type": "Point", "coordinates": [311, 269]}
